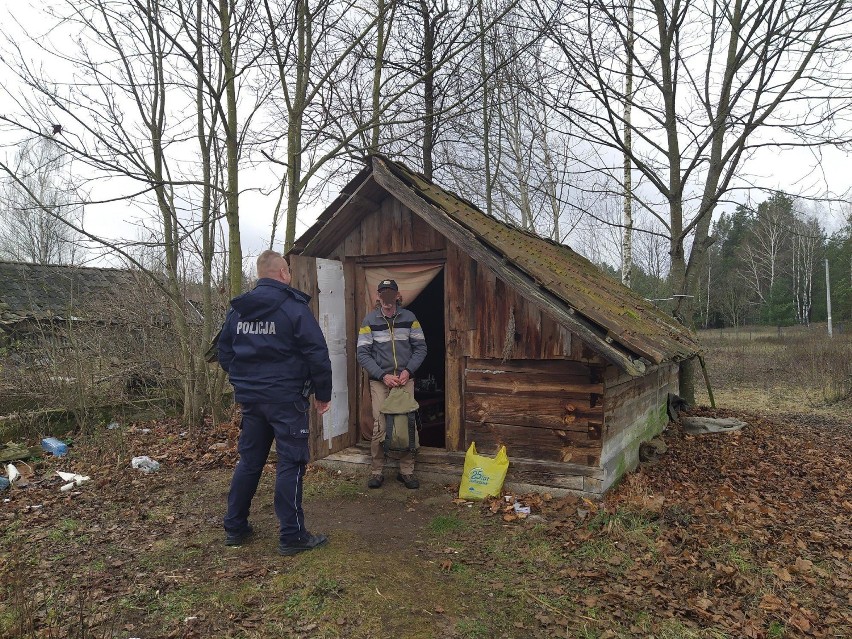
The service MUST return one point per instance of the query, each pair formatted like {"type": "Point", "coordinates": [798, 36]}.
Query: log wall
{"type": "Point", "coordinates": [547, 410]}
{"type": "Point", "coordinates": [635, 410]}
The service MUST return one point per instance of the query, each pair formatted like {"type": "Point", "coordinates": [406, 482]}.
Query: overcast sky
{"type": "Point", "coordinates": [796, 171]}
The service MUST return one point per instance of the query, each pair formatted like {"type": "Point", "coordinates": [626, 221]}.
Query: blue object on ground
{"type": "Point", "coordinates": [54, 446]}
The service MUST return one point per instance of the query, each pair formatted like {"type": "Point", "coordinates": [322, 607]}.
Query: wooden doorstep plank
{"type": "Point", "coordinates": [361, 455]}
{"type": "Point", "coordinates": [534, 412]}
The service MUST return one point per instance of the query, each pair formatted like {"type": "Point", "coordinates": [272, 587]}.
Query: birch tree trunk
{"type": "Point", "coordinates": [627, 241]}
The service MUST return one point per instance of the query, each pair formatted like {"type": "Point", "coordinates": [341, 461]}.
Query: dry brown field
{"type": "Point", "coordinates": [792, 370]}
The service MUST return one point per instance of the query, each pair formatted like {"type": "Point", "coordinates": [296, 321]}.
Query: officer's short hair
{"type": "Point", "coordinates": [265, 261]}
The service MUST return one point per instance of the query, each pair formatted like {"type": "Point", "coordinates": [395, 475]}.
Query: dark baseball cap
{"type": "Point", "coordinates": [387, 284]}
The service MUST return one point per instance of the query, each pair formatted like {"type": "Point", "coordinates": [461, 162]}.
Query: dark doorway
{"type": "Point", "coordinates": [430, 379]}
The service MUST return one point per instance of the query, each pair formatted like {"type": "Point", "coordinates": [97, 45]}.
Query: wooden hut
{"type": "Point", "coordinates": [530, 345]}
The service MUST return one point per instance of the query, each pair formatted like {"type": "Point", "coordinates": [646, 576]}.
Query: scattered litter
{"type": "Point", "coordinates": [145, 464]}
{"type": "Point", "coordinates": [113, 425]}
{"type": "Point", "coordinates": [54, 446]}
{"type": "Point", "coordinates": [142, 431]}
{"type": "Point", "coordinates": [522, 510]}
{"type": "Point", "coordinates": [4, 483]}
{"type": "Point", "coordinates": [73, 479]}
{"type": "Point", "coordinates": [21, 476]}
{"type": "Point", "coordinates": [12, 473]}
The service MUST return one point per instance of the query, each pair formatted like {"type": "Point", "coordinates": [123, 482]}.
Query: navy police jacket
{"type": "Point", "coordinates": [271, 345]}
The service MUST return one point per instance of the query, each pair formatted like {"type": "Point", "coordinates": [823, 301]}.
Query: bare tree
{"type": "Point", "coordinates": [713, 83]}
{"type": "Point", "coordinates": [145, 79]}
{"type": "Point", "coordinates": [768, 239]}
{"type": "Point", "coordinates": [27, 233]}
{"type": "Point", "coordinates": [627, 231]}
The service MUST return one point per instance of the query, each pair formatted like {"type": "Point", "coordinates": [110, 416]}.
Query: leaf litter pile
{"type": "Point", "coordinates": [743, 534]}
{"type": "Point", "coordinates": [747, 533]}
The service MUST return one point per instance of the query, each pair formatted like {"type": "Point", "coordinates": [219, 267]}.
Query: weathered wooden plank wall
{"type": "Point", "coordinates": [492, 328]}
{"type": "Point", "coordinates": [635, 410]}
{"type": "Point", "coordinates": [539, 409]}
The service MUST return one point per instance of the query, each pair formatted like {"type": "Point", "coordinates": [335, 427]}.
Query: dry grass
{"type": "Point", "coordinates": [780, 370]}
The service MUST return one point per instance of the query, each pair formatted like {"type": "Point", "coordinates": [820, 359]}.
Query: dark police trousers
{"type": "Point", "coordinates": [287, 424]}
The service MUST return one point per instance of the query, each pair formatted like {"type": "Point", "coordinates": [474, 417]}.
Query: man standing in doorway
{"type": "Point", "coordinates": [391, 347]}
{"type": "Point", "coordinates": [274, 352]}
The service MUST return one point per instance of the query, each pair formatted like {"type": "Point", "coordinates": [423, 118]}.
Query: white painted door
{"type": "Point", "coordinates": [332, 320]}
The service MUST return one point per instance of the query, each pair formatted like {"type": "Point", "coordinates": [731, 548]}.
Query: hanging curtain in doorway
{"type": "Point", "coordinates": [411, 279]}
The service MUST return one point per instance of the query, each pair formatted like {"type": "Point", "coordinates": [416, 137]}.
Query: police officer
{"type": "Point", "coordinates": [274, 351]}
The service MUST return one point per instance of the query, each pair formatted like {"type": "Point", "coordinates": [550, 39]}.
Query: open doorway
{"type": "Point", "coordinates": [430, 381]}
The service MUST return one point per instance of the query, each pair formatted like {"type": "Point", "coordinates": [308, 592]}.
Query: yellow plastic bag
{"type": "Point", "coordinates": [483, 475]}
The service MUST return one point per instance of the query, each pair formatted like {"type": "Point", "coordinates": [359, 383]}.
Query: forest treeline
{"type": "Point", "coordinates": [766, 265]}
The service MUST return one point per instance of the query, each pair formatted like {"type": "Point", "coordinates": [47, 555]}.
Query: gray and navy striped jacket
{"type": "Point", "coordinates": [387, 345]}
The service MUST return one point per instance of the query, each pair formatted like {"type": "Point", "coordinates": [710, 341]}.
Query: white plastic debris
{"type": "Point", "coordinates": [12, 473]}
{"type": "Point", "coordinates": [145, 464]}
{"type": "Point", "coordinates": [113, 425]}
{"type": "Point", "coordinates": [73, 479]}
{"type": "Point", "coordinates": [522, 510]}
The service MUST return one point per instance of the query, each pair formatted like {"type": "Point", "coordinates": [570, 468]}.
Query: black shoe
{"type": "Point", "coordinates": [409, 480]}
{"type": "Point", "coordinates": [376, 481]}
{"type": "Point", "coordinates": [239, 538]}
{"type": "Point", "coordinates": [307, 542]}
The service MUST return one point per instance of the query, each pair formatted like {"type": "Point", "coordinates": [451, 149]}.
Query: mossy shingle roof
{"type": "Point", "coordinates": [41, 291]}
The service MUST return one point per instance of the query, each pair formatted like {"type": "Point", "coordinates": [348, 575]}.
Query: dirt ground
{"type": "Point", "coordinates": [735, 535]}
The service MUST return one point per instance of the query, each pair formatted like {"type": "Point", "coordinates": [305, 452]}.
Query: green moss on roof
{"type": "Point", "coordinates": [632, 321]}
